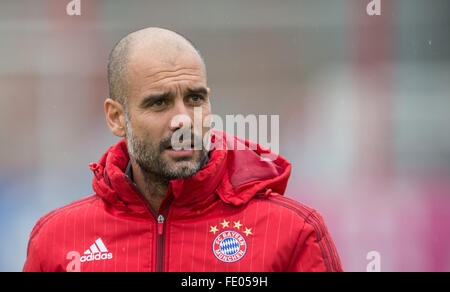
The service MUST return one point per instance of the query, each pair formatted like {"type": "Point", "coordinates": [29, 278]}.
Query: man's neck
{"type": "Point", "coordinates": [154, 188]}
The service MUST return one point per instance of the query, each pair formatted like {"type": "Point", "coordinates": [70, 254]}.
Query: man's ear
{"type": "Point", "coordinates": [115, 117]}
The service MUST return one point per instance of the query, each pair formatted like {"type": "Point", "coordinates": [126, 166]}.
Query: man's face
{"type": "Point", "coordinates": [163, 95]}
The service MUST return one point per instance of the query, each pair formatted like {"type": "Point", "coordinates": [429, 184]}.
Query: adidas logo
{"type": "Point", "coordinates": [96, 252]}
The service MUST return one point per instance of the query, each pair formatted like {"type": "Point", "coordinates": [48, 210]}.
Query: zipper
{"type": "Point", "coordinates": [160, 244]}
{"type": "Point", "coordinates": [160, 225]}
{"type": "Point", "coordinates": [161, 239]}
{"type": "Point", "coordinates": [160, 228]}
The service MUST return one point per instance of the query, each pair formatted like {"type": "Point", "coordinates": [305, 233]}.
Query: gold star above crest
{"type": "Point", "coordinates": [225, 223]}
{"type": "Point", "coordinates": [237, 224]}
{"type": "Point", "coordinates": [214, 229]}
{"type": "Point", "coordinates": [248, 231]}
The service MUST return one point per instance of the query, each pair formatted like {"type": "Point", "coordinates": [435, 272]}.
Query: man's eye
{"type": "Point", "coordinates": [158, 103]}
{"type": "Point", "coordinates": [196, 98]}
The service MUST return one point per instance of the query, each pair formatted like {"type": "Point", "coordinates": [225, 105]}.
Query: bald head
{"type": "Point", "coordinates": [156, 44]}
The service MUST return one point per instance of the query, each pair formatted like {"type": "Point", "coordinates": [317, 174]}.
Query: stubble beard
{"type": "Point", "coordinates": [148, 157]}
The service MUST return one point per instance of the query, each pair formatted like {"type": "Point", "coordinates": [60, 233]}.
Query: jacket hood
{"type": "Point", "coordinates": [232, 174]}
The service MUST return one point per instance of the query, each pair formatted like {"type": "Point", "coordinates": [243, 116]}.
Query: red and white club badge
{"type": "Point", "coordinates": [229, 246]}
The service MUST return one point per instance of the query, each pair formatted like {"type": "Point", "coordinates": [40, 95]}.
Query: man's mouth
{"type": "Point", "coordinates": [180, 150]}
{"type": "Point", "coordinates": [181, 147]}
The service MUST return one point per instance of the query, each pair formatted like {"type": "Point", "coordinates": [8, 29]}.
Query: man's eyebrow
{"type": "Point", "coordinates": [198, 90]}
{"type": "Point", "coordinates": [154, 97]}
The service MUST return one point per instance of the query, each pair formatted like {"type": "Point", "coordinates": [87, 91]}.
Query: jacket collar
{"type": "Point", "coordinates": [230, 176]}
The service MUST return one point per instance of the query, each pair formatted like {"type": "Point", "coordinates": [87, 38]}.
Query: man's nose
{"type": "Point", "coordinates": [181, 118]}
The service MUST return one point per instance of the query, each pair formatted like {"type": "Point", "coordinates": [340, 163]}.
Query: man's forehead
{"type": "Point", "coordinates": [162, 72]}
{"type": "Point", "coordinates": [148, 65]}
{"type": "Point", "coordinates": [161, 76]}
{"type": "Point", "coordinates": [166, 79]}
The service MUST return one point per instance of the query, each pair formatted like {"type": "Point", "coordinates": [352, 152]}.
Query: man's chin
{"type": "Point", "coordinates": [182, 166]}
{"type": "Point", "coordinates": [183, 169]}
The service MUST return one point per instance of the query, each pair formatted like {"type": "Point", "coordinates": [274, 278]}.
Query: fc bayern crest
{"type": "Point", "coordinates": [229, 246]}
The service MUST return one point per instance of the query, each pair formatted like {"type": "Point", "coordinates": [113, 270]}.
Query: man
{"type": "Point", "coordinates": [161, 207]}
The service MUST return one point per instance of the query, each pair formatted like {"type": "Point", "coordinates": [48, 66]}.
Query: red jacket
{"type": "Point", "coordinates": [230, 216]}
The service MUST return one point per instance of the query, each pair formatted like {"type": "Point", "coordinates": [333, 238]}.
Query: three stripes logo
{"type": "Point", "coordinates": [96, 252]}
